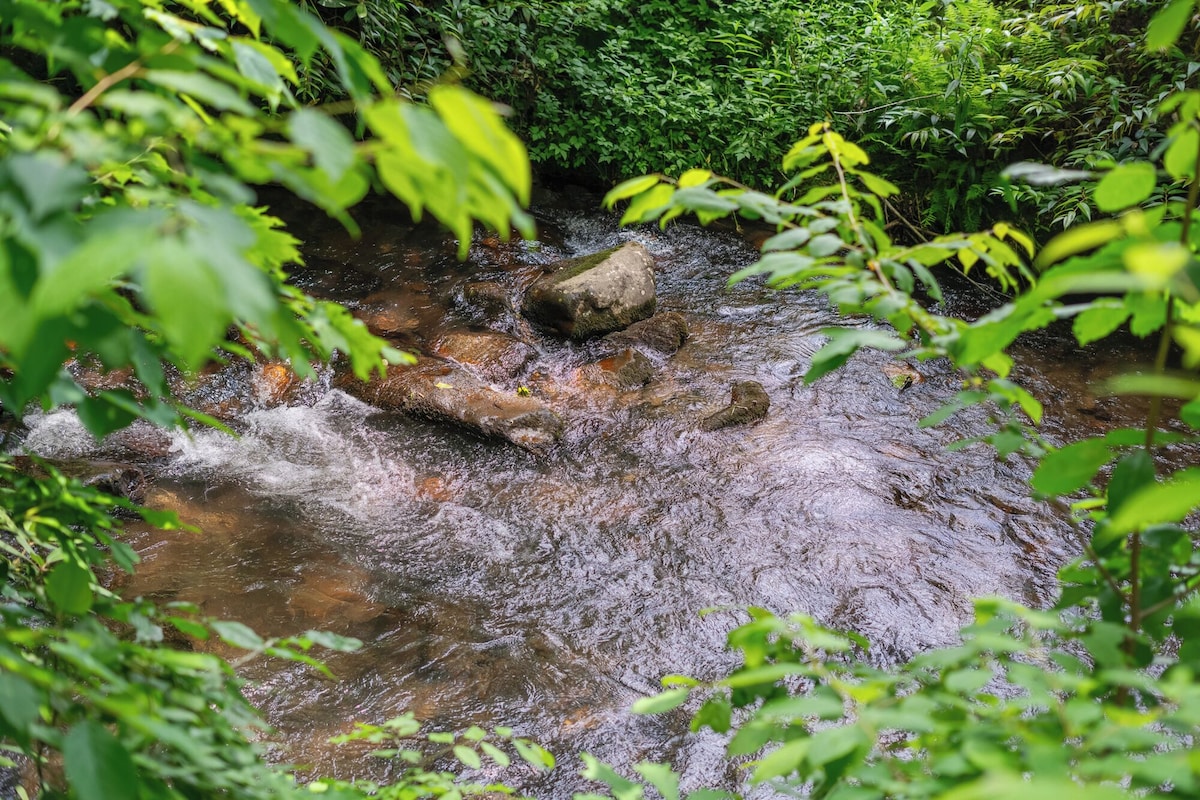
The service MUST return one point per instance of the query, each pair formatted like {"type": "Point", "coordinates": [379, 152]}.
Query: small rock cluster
{"type": "Point", "coordinates": [487, 380]}
{"type": "Point", "coordinates": [607, 299]}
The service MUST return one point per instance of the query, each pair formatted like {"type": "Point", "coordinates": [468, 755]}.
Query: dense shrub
{"type": "Point", "coordinates": [945, 93]}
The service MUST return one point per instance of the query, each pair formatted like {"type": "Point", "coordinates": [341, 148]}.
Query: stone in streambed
{"type": "Point", "coordinates": [749, 403]}
{"type": "Point", "coordinates": [628, 369]}
{"type": "Point", "coordinates": [594, 295]}
{"type": "Point", "coordinates": [488, 297]}
{"type": "Point", "coordinates": [439, 391]}
{"type": "Point", "coordinates": [664, 333]}
{"type": "Point", "coordinates": [494, 356]}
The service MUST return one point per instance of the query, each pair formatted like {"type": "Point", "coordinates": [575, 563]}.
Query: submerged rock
{"type": "Point", "coordinates": [596, 294]}
{"type": "Point", "coordinates": [488, 297]}
{"type": "Point", "coordinates": [439, 391]}
{"type": "Point", "coordinates": [110, 477]}
{"type": "Point", "coordinates": [493, 356]}
{"type": "Point", "coordinates": [628, 369]}
{"type": "Point", "coordinates": [749, 403]}
{"type": "Point", "coordinates": [665, 333]}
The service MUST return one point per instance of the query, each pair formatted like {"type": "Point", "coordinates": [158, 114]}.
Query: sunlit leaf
{"type": "Point", "coordinates": [1078, 239]}
{"type": "Point", "coordinates": [1170, 501]}
{"type": "Point", "coordinates": [661, 777]}
{"type": "Point", "coordinates": [467, 756]}
{"type": "Point", "coordinates": [329, 143]}
{"type": "Point", "coordinates": [661, 702]}
{"type": "Point", "coordinates": [629, 188]}
{"type": "Point", "coordinates": [1180, 158]}
{"type": "Point", "coordinates": [69, 587]}
{"type": "Point", "coordinates": [1167, 25]}
{"type": "Point", "coordinates": [843, 343]}
{"type": "Point", "coordinates": [1098, 321]}
{"type": "Point", "coordinates": [1071, 468]}
{"type": "Point", "coordinates": [1125, 185]}
{"type": "Point", "coordinates": [237, 634]}
{"type": "Point", "coordinates": [97, 764]}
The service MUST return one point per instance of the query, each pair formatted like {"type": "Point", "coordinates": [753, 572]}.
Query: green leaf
{"type": "Point", "coordinates": [69, 587]}
{"type": "Point", "coordinates": [1132, 473]}
{"type": "Point", "coordinates": [1102, 318]}
{"type": "Point", "coordinates": [1155, 386]}
{"type": "Point", "coordinates": [1071, 468]}
{"type": "Point", "coordinates": [201, 87]}
{"type": "Point", "coordinates": [768, 673]}
{"type": "Point", "coordinates": [533, 754]}
{"type": "Point", "coordinates": [834, 743]}
{"type": "Point", "coordinates": [662, 702]}
{"type": "Point", "coordinates": [49, 181]}
{"type": "Point", "coordinates": [626, 189]}
{"type": "Point", "coordinates": [782, 761]}
{"type": "Point", "coordinates": [18, 706]}
{"type": "Point", "coordinates": [495, 753]}
{"type": "Point", "coordinates": [1170, 501]}
{"type": "Point", "coordinates": [696, 198]}
{"type": "Point", "coordinates": [877, 185]}
{"type": "Point", "coordinates": [474, 122]}
{"type": "Point", "coordinates": [1167, 25]}
{"type": "Point", "coordinates": [961, 401]}
{"type": "Point", "coordinates": [967, 681]}
{"type": "Point", "coordinates": [188, 301]}
{"type": "Point", "coordinates": [237, 634]}
{"type": "Point", "coordinates": [649, 204]}
{"type": "Point", "coordinates": [825, 245]}
{"type": "Point", "coordinates": [329, 143]}
{"type": "Point", "coordinates": [1180, 158]}
{"type": "Point", "coordinates": [621, 788]}
{"type": "Point", "coordinates": [716, 713]}
{"type": "Point", "coordinates": [1190, 414]}
{"type": "Point", "coordinates": [254, 62]}
{"type": "Point", "coordinates": [788, 240]}
{"type": "Point", "coordinates": [661, 777]}
{"type": "Point", "coordinates": [1125, 185]}
{"type": "Point", "coordinates": [467, 756]}
{"type": "Point", "coordinates": [1077, 240]}
{"type": "Point", "coordinates": [189, 627]}
{"type": "Point", "coordinates": [333, 641]}
{"type": "Point", "coordinates": [97, 765]}
{"type": "Point", "coordinates": [843, 343]}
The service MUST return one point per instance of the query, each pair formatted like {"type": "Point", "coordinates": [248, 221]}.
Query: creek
{"type": "Point", "coordinates": [547, 592]}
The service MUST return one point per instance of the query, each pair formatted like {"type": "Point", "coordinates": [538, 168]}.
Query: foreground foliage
{"type": "Point", "coordinates": [1096, 697]}
{"type": "Point", "coordinates": [133, 133]}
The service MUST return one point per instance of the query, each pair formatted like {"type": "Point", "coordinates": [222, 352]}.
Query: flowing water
{"type": "Point", "coordinates": [547, 592]}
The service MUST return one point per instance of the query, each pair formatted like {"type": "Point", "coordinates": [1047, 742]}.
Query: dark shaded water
{"type": "Point", "coordinates": [492, 586]}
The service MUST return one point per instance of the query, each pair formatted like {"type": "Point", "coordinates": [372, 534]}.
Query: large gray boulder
{"type": "Point", "coordinates": [594, 295]}
{"type": "Point", "coordinates": [442, 392]}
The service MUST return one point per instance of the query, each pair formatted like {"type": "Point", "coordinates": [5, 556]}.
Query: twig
{"type": "Point", "coordinates": [885, 105]}
{"type": "Point", "coordinates": [920, 233]}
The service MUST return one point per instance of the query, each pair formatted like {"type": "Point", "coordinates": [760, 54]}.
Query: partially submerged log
{"type": "Point", "coordinates": [442, 392]}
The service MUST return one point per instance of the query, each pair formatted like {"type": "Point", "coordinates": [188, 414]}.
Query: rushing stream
{"type": "Point", "coordinates": [547, 592]}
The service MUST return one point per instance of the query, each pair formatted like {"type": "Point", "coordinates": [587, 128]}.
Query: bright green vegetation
{"type": "Point", "coordinates": [132, 133]}
{"type": "Point", "coordinates": [1098, 696]}
{"type": "Point", "coordinates": [945, 93]}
